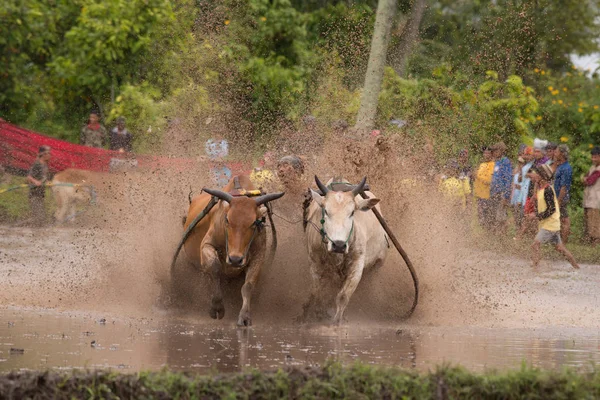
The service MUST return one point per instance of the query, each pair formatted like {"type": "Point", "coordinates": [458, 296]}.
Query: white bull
{"type": "Point", "coordinates": [346, 240]}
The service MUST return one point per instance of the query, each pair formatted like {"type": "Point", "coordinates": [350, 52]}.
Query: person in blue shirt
{"type": "Point", "coordinates": [500, 188]}
{"type": "Point", "coordinates": [217, 149]}
{"type": "Point", "coordinates": [563, 177]}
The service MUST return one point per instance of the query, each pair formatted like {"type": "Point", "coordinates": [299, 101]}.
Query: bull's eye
{"type": "Point", "coordinates": [352, 213]}
{"type": "Point", "coordinates": [325, 211]}
{"type": "Point", "coordinates": [226, 220]}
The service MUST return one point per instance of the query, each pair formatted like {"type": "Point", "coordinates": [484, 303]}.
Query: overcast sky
{"type": "Point", "coordinates": [592, 61]}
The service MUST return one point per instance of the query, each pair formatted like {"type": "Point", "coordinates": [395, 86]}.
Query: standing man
{"type": "Point", "coordinates": [563, 176]}
{"type": "Point", "coordinates": [37, 177]}
{"type": "Point", "coordinates": [591, 199]}
{"type": "Point", "coordinates": [500, 188]}
{"type": "Point", "coordinates": [120, 137]}
{"type": "Point", "coordinates": [539, 155]}
{"type": "Point", "coordinates": [481, 188]}
{"type": "Point", "coordinates": [93, 134]}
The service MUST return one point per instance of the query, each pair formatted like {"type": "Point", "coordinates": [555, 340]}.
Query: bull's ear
{"type": "Point", "coordinates": [366, 204]}
{"type": "Point", "coordinates": [317, 197]}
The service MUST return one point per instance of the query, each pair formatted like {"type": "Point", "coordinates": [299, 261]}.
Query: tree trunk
{"type": "Point", "coordinates": [409, 37]}
{"type": "Point", "coordinates": [370, 96]}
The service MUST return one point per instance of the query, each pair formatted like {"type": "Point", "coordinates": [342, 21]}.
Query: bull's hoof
{"type": "Point", "coordinates": [244, 320]}
{"type": "Point", "coordinates": [217, 311]}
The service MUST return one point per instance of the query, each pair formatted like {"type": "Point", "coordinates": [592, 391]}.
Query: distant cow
{"type": "Point", "coordinates": [229, 241]}
{"type": "Point", "coordinates": [345, 240]}
{"type": "Point", "coordinates": [71, 187]}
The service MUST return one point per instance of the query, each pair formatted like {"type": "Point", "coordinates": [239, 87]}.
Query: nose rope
{"type": "Point", "coordinates": [325, 237]}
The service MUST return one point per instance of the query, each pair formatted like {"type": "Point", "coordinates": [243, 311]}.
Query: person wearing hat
{"type": "Point", "coordinates": [120, 137]}
{"type": "Point", "coordinates": [547, 214]}
{"type": "Point", "coordinates": [93, 134]}
{"type": "Point", "coordinates": [563, 177]}
{"type": "Point", "coordinates": [500, 188]}
{"type": "Point", "coordinates": [591, 199]}
{"type": "Point", "coordinates": [539, 153]}
{"type": "Point", "coordinates": [37, 178]}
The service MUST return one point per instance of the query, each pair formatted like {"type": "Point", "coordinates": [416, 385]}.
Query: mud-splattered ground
{"type": "Point", "coordinates": [69, 269]}
{"type": "Point", "coordinates": [484, 310]}
{"type": "Point", "coordinates": [476, 308]}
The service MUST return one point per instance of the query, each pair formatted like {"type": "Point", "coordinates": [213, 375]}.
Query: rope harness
{"type": "Point", "coordinates": [258, 225]}
{"type": "Point", "coordinates": [325, 237]}
{"type": "Point", "coordinates": [346, 187]}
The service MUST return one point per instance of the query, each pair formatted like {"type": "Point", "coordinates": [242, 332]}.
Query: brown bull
{"type": "Point", "coordinates": [229, 241]}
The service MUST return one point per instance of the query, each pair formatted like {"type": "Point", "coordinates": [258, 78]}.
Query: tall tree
{"type": "Point", "coordinates": [409, 37]}
{"type": "Point", "coordinates": [365, 120]}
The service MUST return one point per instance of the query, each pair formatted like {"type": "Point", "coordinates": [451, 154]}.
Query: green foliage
{"type": "Point", "coordinates": [63, 58]}
{"type": "Point", "coordinates": [460, 118]}
{"type": "Point", "coordinates": [107, 38]}
{"type": "Point", "coordinates": [330, 382]}
{"type": "Point", "coordinates": [344, 32]}
{"type": "Point", "coordinates": [30, 32]}
{"type": "Point", "coordinates": [512, 37]}
{"type": "Point", "coordinates": [270, 57]}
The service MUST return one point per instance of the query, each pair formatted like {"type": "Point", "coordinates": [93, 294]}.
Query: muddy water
{"type": "Point", "coordinates": [44, 339]}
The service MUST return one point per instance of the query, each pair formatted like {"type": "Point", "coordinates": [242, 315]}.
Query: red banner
{"type": "Point", "coordinates": [19, 148]}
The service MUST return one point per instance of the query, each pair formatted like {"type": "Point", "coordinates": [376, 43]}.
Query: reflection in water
{"type": "Point", "coordinates": [52, 340]}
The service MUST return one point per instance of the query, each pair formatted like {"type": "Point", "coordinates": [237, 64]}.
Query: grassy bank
{"type": "Point", "coordinates": [14, 204]}
{"type": "Point", "coordinates": [330, 382]}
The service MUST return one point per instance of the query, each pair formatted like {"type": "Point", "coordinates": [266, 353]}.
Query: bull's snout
{"type": "Point", "coordinates": [235, 261]}
{"type": "Point", "coordinates": [338, 246]}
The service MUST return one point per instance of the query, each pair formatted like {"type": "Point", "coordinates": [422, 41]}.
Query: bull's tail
{"type": "Point", "coordinates": [190, 195]}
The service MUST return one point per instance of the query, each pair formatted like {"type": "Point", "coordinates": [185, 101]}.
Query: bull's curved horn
{"type": "Point", "coordinates": [268, 197]}
{"type": "Point", "coordinates": [320, 185]}
{"type": "Point", "coordinates": [217, 193]}
{"type": "Point", "coordinates": [358, 189]}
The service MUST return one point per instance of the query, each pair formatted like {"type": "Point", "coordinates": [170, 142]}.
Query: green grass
{"type": "Point", "coordinates": [14, 205]}
{"type": "Point", "coordinates": [332, 381]}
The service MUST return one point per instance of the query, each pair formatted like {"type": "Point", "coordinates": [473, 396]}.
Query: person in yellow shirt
{"type": "Point", "coordinates": [262, 176]}
{"type": "Point", "coordinates": [547, 214]}
{"type": "Point", "coordinates": [454, 188]}
{"type": "Point", "coordinates": [481, 188]}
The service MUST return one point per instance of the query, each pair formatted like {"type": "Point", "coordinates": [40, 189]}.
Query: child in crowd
{"type": "Point", "coordinates": [547, 214]}
{"type": "Point", "coordinates": [454, 188]}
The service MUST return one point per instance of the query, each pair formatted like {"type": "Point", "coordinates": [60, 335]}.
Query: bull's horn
{"type": "Point", "coordinates": [358, 189]}
{"type": "Point", "coordinates": [217, 193]}
{"type": "Point", "coordinates": [267, 198]}
{"type": "Point", "coordinates": [321, 187]}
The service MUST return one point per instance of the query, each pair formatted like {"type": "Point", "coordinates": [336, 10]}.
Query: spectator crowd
{"type": "Point", "coordinates": [535, 190]}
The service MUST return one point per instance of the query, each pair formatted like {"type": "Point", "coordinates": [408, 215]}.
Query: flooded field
{"type": "Point", "coordinates": [94, 298]}
{"type": "Point", "coordinates": [43, 339]}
